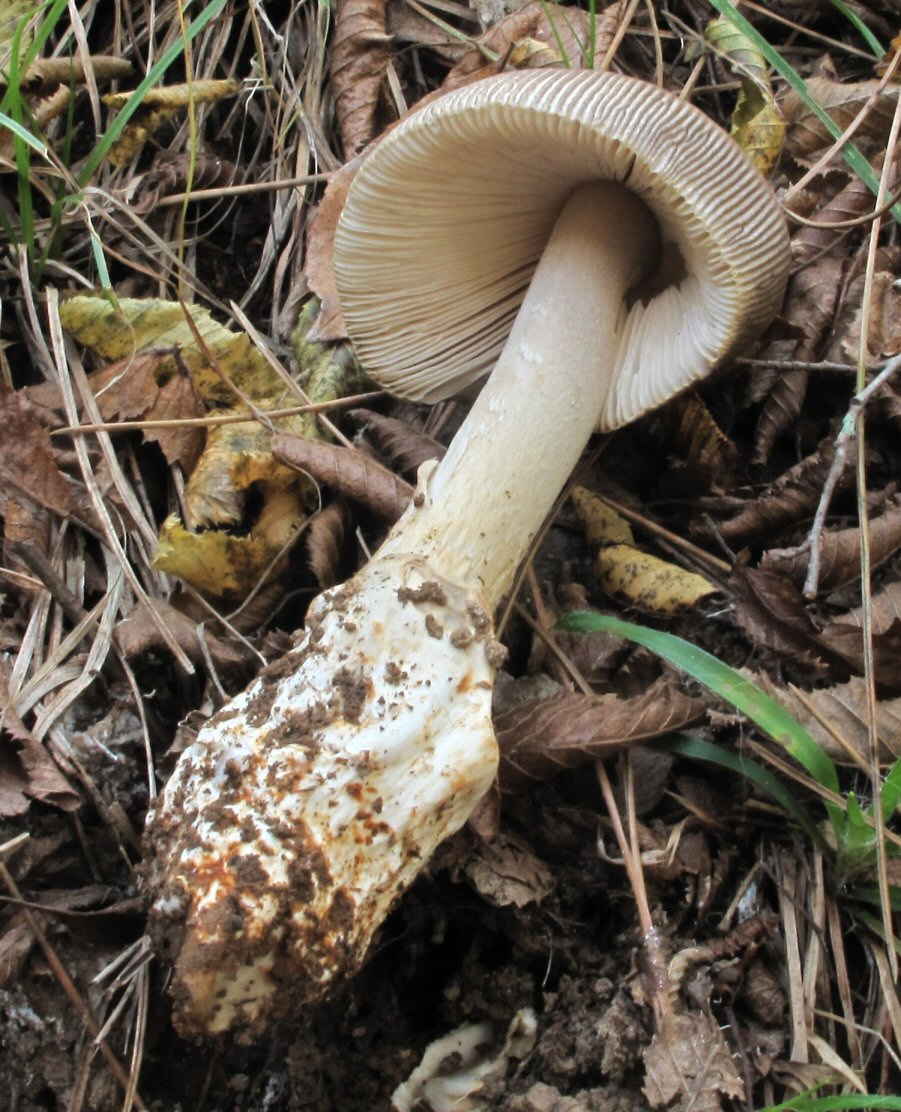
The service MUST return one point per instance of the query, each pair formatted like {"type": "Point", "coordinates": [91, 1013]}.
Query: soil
{"type": "Point", "coordinates": [446, 957]}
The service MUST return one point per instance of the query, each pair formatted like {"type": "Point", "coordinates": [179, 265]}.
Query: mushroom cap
{"type": "Point", "coordinates": [447, 218]}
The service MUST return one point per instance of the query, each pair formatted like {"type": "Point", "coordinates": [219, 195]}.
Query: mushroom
{"type": "Point", "coordinates": [604, 245]}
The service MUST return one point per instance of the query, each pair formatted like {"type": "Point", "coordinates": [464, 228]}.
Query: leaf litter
{"type": "Point", "coordinates": [151, 564]}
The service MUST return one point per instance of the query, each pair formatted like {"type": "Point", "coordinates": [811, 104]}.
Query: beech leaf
{"type": "Point", "coordinates": [404, 447]}
{"type": "Point", "coordinates": [789, 499]}
{"type": "Point", "coordinates": [27, 463]}
{"type": "Point", "coordinates": [840, 551]}
{"type": "Point", "coordinates": [325, 537]}
{"type": "Point", "coordinates": [844, 707]}
{"type": "Point", "coordinates": [541, 738]}
{"type": "Point", "coordinates": [347, 471]}
{"type": "Point", "coordinates": [706, 457]}
{"type": "Point", "coordinates": [359, 65]}
{"type": "Point", "coordinates": [626, 572]}
{"type": "Point", "coordinates": [222, 564]}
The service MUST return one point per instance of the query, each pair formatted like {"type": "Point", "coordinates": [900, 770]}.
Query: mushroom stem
{"type": "Point", "coordinates": [490, 494]}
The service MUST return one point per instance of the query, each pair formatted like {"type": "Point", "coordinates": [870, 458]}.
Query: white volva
{"type": "Point", "coordinates": [311, 801]}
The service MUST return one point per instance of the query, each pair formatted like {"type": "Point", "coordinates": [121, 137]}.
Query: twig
{"type": "Point", "coordinates": [846, 436]}
{"type": "Point", "coordinates": [236, 190]}
{"type": "Point", "coordinates": [221, 419]}
{"type": "Point", "coordinates": [803, 365]}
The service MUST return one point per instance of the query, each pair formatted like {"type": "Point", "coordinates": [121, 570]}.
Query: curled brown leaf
{"type": "Point", "coordinates": [541, 738]}
{"type": "Point", "coordinates": [359, 63]}
{"type": "Point", "coordinates": [840, 551]}
{"type": "Point", "coordinates": [404, 447]}
{"type": "Point", "coordinates": [348, 472]}
{"type": "Point", "coordinates": [789, 499]}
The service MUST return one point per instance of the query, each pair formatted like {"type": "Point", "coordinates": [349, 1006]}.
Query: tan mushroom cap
{"type": "Point", "coordinates": [447, 218]}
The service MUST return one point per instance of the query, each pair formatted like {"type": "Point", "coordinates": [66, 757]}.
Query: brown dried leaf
{"type": "Point", "coordinates": [763, 994]}
{"type": "Point", "coordinates": [846, 640]}
{"type": "Point", "coordinates": [405, 25]}
{"type": "Point", "coordinates": [689, 1058]}
{"type": "Point", "coordinates": [789, 499]}
{"type": "Point", "coordinates": [359, 63]}
{"type": "Point", "coordinates": [319, 266]}
{"type": "Point", "coordinates": [771, 612]}
{"type": "Point", "coordinates": [173, 172]}
{"type": "Point", "coordinates": [15, 946]}
{"type": "Point", "coordinates": [27, 462]}
{"type": "Point", "coordinates": [44, 110]}
{"type": "Point", "coordinates": [532, 37]}
{"type": "Point", "coordinates": [840, 551]}
{"type": "Point", "coordinates": [811, 300]}
{"type": "Point", "coordinates": [127, 388]}
{"type": "Point", "coordinates": [541, 738]}
{"type": "Point", "coordinates": [885, 608]}
{"type": "Point", "coordinates": [706, 457]}
{"type": "Point", "coordinates": [24, 526]}
{"type": "Point", "coordinates": [65, 71]}
{"type": "Point", "coordinates": [404, 447]}
{"type": "Point", "coordinates": [812, 241]}
{"type": "Point", "coordinates": [507, 873]}
{"type": "Point", "coordinates": [325, 543]}
{"type": "Point", "coordinates": [844, 707]}
{"type": "Point", "coordinates": [348, 472]}
{"type": "Point", "coordinates": [842, 101]}
{"type": "Point", "coordinates": [139, 633]}
{"type": "Point", "coordinates": [595, 655]}
{"type": "Point", "coordinates": [883, 324]}
{"type": "Point", "coordinates": [26, 768]}
{"type": "Point", "coordinates": [178, 400]}
{"type": "Point", "coordinates": [13, 784]}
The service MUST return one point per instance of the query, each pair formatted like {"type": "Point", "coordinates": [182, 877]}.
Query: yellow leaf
{"type": "Point", "coordinates": [757, 123]}
{"type": "Point", "coordinates": [627, 573]}
{"type": "Point", "coordinates": [171, 98]}
{"type": "Point", "coordinates": [602, 524]}
{"type": "Point", "coordinates": [235, 457]}
{"type": "Point", "coordinates": [12, 13]}
{"type": "Point", "coordinates": [648, 582]}
{"type": "Point", "coordinates": [532, 53]}
{"type": "Point", "coordinates": [157, 107]}
{"type": "Point", "coordinates": [151, 324]}
{"type": "Point", "coordinates": [221, 564]}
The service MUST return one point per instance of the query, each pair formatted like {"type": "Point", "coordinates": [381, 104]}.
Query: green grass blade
{"type": "Point", "coordinates": [850, 153]}
{"type": "Point", "coordinates": [153, 76]}
{"type": "Point", "coordinates": [24, 134]}
{"type": "Point", "coordinates": [890, 793]}
{"type": "Point", "coordinates": [100, 262]}
{"type": "Point", "coordinates": [865, 33]}
{"type": "Point", "coordinates": [722, 680]}
{"type": "Point", "coordinates": [873, 897]}
{"type": "Point", "coordinates": [698, 750]}
{"type": "Point", "coordinates": [805, 1103]}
